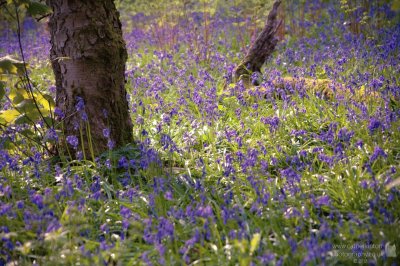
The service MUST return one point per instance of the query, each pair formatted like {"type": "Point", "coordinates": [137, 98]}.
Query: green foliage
{"type": "Point", "coordinates": [28, 106]}
{"type": "Point", "coordinates": [11, 66]}
{"type": "Point", "coordinates": [37, 8]}
{"type": "Point", "coordinates": [25, 107]}
{"type": "Point", "coordinates": [2, 89]}
{"type": "Point", "coordinates": [367, 16]}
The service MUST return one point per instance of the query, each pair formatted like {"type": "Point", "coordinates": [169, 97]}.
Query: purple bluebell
{"type": "Point", "coordinates": [73, 141]}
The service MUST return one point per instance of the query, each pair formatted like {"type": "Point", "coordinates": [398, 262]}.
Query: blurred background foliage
{"type": "Point", "coordinates": [299, 16]}
{"type": "Point", "coordinates": [360, 16]}
{"type": "Point", "coordinates": [29, 13]}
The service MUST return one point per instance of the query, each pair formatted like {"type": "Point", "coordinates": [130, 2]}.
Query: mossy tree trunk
{"type": "Point", "coordinates": [261, 49]}
{"type": "Point", "coordinates": [88, 56]}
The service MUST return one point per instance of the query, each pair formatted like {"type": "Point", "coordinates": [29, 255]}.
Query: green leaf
{"type": "Point", "coordinates": [2, 89]}
{"type": "Point", "coordinates": [27, 132]}
{"type": "Point", "coordinates": [17, 98]}
{"type": "Point", "coordinates": [9, 65]}
{"type": "Point", "coordinates": [22, 119]}
{"type": "Point", "coordinates": [26, 106]}
{"type": "Point", "coordinates": [48, 120]}
{"type": "Point", "coordinates": [29, 108]}
{"type": "Point", "coordinates": [37, 9]}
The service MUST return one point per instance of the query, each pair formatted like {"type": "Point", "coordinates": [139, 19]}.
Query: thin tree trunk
{"type": "Point", "coordinates": [261, 49]}
{"type": "Point", "coordinates": [88, 56]}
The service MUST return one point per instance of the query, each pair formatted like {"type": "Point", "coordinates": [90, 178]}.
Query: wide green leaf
{"type": "Point", "coordinates": [17, 98]}
{"type": "Point", "coordinates": [22, 119]}
{"type": "Point", "coordinates": [26, 106]}
{"type": "Point", "coordinates": [37, 9]}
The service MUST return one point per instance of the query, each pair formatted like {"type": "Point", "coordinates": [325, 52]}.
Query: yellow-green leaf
{"type": "Point", "coordinates": [255, 241]}
{"type": "Point", "coordinates": [46, 101]}
{"type": "Point", "coordinates": [231, 85]}
{"type": "Point", "coordinates": [241, 245]}
{"type": "Point", "coordinates": [9, 116]}
{"type": "Point", "coordinates": [396, 5]}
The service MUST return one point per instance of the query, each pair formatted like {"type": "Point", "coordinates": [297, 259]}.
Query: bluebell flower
{"type": "Point", "coordinates": [322, 201]}
{"type": "Point", "coordinates": [105, 228]}
{"type": "Point", "coordinates": [95, 186]}
{"type": "Point", "coordinates": [378, 152]}
{"type": "Point", "coordinates": [73, 141]}
{"type": "Point", "coordinates": [123, 162]}
{"type": "Point", "coordinates": [51, 135]}
{"type": "Point", "coordinates": [53, 226]}
{"type": "Point", "coordinates": [290, 175]}
{"type": "Point", "coordinates": [326, 159]}
{"type": "Point", "coordinates": [110, 144]}
{"type": "Point", "coordinates": [359, 143]}
{"type": "Point", "coordinates": [106, 132]}
{"type": "Point", "coordinates": [345, 135]}
{"type": "Point", "coordinates": [145, 258]}
{"type": "Point", "coordinates": [293, 244]}
{"type": "Point", "coordinates": [79, 155]}
{"type": "Point", "coordinates": [125, 212]}
{"type": "Point", "coordinates": [84, 116]}
{"type": "Point", "coordinates": [5, 208]}
{"type": "Point", "coordinates": [204, 211]}
{"type": "Point", "coordinates": [80, 104]}
{"type": "Point", "coordinates": [168, 195]}
{"type": "Point", "coordinates": [139, 120]}
{"type": "Point", "coordinates": [59, 113]}
{"type": "Point", "coordinates": [20, 204]}
{"type": "Point", "coordinates": [105, 113]}
{"type": "Point", "coordinates": [37, 199]}
{"type": "Point", "coordinates": [373, 125]}
{"type": "Point", "coordinates": [165, 230]}
{"type": "Point", "coordinates": [273, 122]}
{"type": "Point", "coordinates": [191, 242]}
{"type": "Point", "coordinates": [105, 246]}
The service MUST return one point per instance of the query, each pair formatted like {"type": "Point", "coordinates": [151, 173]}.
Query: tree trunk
{"type": "Point", "coordinates": [260, 50]}
{"type": "Point", "coordinates": [88, 56]}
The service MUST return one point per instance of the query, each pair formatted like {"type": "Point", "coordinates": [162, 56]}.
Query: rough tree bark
{"type": "Point", "coordinates": [88, 56]}
{"type": "Point", "coordinates": [260, 50]}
